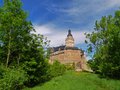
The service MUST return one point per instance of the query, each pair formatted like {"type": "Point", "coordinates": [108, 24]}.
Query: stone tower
{"type": "Point", "coordinates": [69, 42]}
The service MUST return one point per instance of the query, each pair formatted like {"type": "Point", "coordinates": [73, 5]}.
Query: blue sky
{"type": "Point", "coordinates": [53, 18]}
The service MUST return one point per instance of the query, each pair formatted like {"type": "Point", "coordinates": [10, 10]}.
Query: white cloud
{"type": "Point", "coordinates": [82, 11]}
{"type": "Point", "coordinates": [78, 7]}
{"type": "Point", "coordinates": [78, 11]}
{"type": "Point", "coordinates": [42, 30]}
{"type": "Point", "coordinates": [107, 4]}
{"type": "Point", "coordinates": [112, 3]}
{"type": "Point", "coordinates": [58, 36]}
{"type": "Point", "coordinates": [79, 36]}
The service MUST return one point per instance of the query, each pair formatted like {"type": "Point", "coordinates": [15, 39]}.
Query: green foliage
{"type": "Point", "coordinates": [12, 79]}
{"type": "Point", "coordinates": [19, 47]}
{"type": "Point", "coordinates": [105, 43]}
{"type": "Point", "coordinates": [14, 32]}
{"type": "Point", "coordinates": [70, 66]}
{"type": "Point", "coordinates": [37, 72]}
{"type": "Point", "coordinates": [57, 69]}
{"type": "Point", "coordinates": [35, 63]}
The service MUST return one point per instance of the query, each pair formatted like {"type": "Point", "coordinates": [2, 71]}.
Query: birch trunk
{"type": "Point", "coordinates": [9, 47]}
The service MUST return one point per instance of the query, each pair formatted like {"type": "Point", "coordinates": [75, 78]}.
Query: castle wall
{"type": "Point", "coordinates": [59, 55]}
{"type": "Point", "coordinates": [66, 56]}
{"type": "Point", "coordinates": [72, 55]}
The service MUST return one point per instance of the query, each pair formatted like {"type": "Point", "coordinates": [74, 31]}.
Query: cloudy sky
{"type": "Point", "coordinates": [53, 18]}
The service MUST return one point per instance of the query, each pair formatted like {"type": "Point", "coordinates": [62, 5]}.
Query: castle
{"type": "Point", "coordinates": [69, 54]}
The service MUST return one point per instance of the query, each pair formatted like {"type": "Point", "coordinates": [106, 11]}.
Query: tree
{"type": "Point", "coordinates": [19, 47]}
{"type": "Point", "coordinates": [35, 63]}
{"type": "Point", "coordinates": [14, 31]}
{"type": "Point", "coordinates": [104, 41]}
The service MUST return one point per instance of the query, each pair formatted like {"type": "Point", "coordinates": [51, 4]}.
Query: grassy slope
{"type": "Point", "coordinates": [79, 81]}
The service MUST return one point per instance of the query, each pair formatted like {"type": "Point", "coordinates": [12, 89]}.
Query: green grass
{"type": "Point", "coordinates": [79, 81]}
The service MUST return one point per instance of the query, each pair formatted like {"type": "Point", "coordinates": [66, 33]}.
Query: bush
{"type": "Point", "coordinates": [37, 71]}
{"type": "Point", "coordinates": [57, 69]}
{"type": "Point", "coordinates": [70, 66]}
{"type": "Point", "coordinates": [12, 79]}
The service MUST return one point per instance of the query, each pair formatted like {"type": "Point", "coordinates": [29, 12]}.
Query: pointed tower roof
{"type": "Point", "coordinates": [69, 42]}
{"type": "Point", "coordinates": [69, 33]}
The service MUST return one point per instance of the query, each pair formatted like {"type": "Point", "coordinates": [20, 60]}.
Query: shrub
{"type": "Point", "coordinates": [57, 69]}
{"type": "Point", "coordinates": [12, 79]}
{"type": "Point", "coordinates": [70, 66]}
{"type": "Point", "coordinates": [37, 71]}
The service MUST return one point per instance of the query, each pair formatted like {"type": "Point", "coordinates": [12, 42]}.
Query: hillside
{"type": "Point", "coordinates": [79, 81]}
